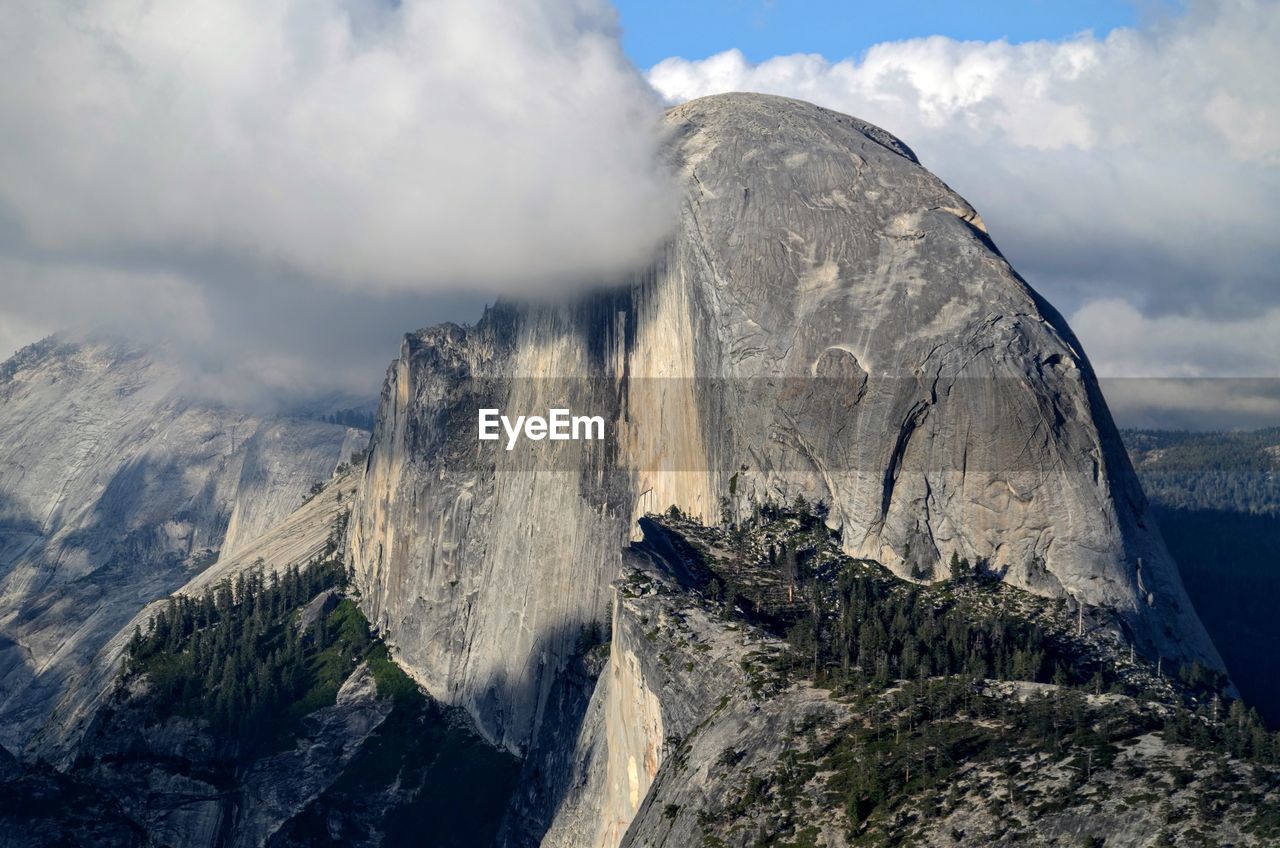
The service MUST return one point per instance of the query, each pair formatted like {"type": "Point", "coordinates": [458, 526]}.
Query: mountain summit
{"type": "Point", "coordinates": [828, 320]}
{"type": "Point", "coordinates": [853, 554]}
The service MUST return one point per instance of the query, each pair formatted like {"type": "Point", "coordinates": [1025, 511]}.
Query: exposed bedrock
{"type": "Point", "coordinates": [827, 319]}
{"type": "Point", "coordinates": [116, 487]}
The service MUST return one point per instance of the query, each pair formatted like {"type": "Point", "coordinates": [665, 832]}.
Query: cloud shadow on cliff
{"type": "Point", "coordinates": [549, 770]}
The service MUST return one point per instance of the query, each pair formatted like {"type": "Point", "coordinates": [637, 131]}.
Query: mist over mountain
{"type": "Point", "coordinates": [830, 324]}
{"type": "Point", "coordinates": [271, 210]}
{"type": "Point", "coordinates": [116, 485]}
{"type": "Point", "coordinates": [861, 559]}
{"type": "Point", "coordinates": [831, 321]}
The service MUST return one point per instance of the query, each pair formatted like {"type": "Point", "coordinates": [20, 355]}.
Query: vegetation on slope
{"type": "Point", "coordinates": [250, 660]}
{"type": "Point", "coordinates": [853, 622]}
{"type": "Point", "coordinates": [968, 693]}
{"type": "Point", "coordinates": [1217, 500]}
{"type": "Point", "coordinates": [235, 658]}
{"type": "Point", "coordinates": [360, 419]}
{"type": "Point", "coordinates": [1233, 472]}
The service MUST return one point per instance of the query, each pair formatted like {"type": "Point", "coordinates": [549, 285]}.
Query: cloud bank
{"type": "Point", "coordinates": [1132, 179]}
{"type": "Point", "coordinates": [283, 186]}
{"type": "Point", "coordinates": [162, 162]}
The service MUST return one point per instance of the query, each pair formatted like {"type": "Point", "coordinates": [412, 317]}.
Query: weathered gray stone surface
{"type": "Point", "coordinates": [827, 319]}
{"type": "Point", "coordinates": [296, 541]}
{"type": "Point", "coordinates": [692, 738]}
{"type": "Point", "coordinates": [277, 788]}
{"type": "Point", "coordinates": [169, 779]}
{"type": "Point", "coordinates": [677, 693]}
{"type": "Point", "coordinates": [115, 489]}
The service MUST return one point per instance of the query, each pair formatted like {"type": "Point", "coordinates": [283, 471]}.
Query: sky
{"type": "Point", "coordinates": [1128, 174]}
{"type": "Point", "coordinates": [280, 188]}
{"type": "Point", "coordinates": [653, 30]}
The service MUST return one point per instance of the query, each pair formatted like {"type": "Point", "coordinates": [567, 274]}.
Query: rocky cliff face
{"type": "Point", "coordinates": [304, 537]}
{"type": "Point", "coordinates": [115, 488]}
{"type": "Point", "coordinates": [694, 737]}
{"type": "Point", "coordinates": [828, 319]}
{"type": "Point", "coordinates": [348, 752]}
{"type": "Point", "coordinates": [169, 780]}
{"type": "Point", "coordinates": [680, 689]}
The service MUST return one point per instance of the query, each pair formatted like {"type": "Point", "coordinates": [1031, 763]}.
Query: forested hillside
{"type": "Point", "coordinates": [264, 711]}
{"type": "Point", "coordinates": [1232, 472]}
{"type": "Point", "coordinates": [1217, 497]}
{"type": "Point", "coordinates": [957, 712]}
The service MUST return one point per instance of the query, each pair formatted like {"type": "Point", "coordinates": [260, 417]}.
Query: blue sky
{"type": "Point", "coordinates": [693, 29]}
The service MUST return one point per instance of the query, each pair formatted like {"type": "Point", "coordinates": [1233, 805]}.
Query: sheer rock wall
{"type": "Point", "coordinates": [828, 319]}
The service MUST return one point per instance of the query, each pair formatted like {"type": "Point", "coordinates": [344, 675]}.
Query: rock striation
{"type": "Point", "coordinates": [693, 738]}
{"type": "Point", "coordinates": [116, 487]}
{"type": "Point", "coordinates": [677, 693]}
{"type": "Point", "coordinates": [827, 319]}
{"type": "Point", "coordinates": [297, 541]}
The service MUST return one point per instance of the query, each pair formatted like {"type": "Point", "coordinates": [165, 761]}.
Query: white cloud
{"type": "Point", "coordinates": [249, 339]}
{"type": "Point", "coordinates": [1202, 79]}
{"type": "Point", "coordinates": [425, 144]}
{"type": "Point", "coordinates": [283, 187]}
{"type": "Point", "coordinates": [1193, 403]}
{"type": "Point", "coordinates": [1178, 346]}
{"type": "Point", "coordinates": [1131, 178]}
{"type": "Point", "coordinates": [286, 185]}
